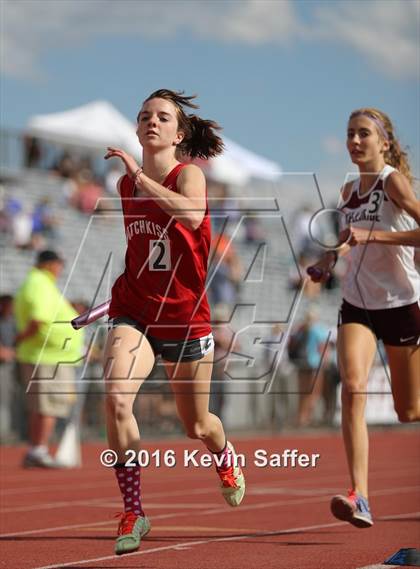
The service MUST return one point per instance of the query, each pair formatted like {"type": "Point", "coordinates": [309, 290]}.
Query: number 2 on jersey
{"type": "Point", "coordinates": [160, 255]}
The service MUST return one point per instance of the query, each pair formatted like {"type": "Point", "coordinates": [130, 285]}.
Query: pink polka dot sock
{"type": "Point", "coordinates": [128, 478]}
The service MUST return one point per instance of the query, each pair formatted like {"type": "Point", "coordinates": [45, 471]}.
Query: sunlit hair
{"type": "Point", "coordinates": [200, 139]}
{"type": "Point", "coordinates": [395, 156]}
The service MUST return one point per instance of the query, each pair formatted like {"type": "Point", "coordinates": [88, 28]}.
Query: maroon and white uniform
{"type": "Point", "coordinates": [163, 285]}
{"type": "Point", "coordinates": [379, 276]}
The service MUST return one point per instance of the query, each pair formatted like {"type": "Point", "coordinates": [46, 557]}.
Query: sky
{"type": "Point", "coordinates": [280, 76]}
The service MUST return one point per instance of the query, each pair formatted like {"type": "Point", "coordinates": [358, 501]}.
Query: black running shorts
{"type": "Point", "coordinates": [170, 350]}
{"type": "Point", "coordinates": [394, 326]}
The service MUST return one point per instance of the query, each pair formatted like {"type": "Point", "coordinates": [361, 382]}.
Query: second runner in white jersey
{"type": "Point", "coordinates": [379, 276]}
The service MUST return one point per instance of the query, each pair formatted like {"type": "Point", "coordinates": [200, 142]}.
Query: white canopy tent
{"type": "Point", "coordinates": [98, 125]}
{"type": "Point", "coordinates": [95, 125]}
{"type": "Point", "coordinates": [238, 166]}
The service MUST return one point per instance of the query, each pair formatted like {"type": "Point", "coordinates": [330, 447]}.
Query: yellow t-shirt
{"type": "Point", "coordinates": [56, 341]}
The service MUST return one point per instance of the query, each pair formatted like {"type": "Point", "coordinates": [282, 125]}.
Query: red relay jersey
{"type": "Point", "coordinates": [163, 285]}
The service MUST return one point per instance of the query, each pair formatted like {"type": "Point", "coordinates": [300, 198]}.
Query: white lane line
{"type": "Point", "coordinates": [163, 516]}
{"type": "Point", "coordinates": [56, 487]}
{"type": "Point", "coordinates": [222, 509]}
{"type": "Point", "coordinates": [175, 506]}
{"type": "Point", "coordinates": [399, 516]}
{"type": "Point", "coordinates": [107, 502]}
{"type": "Point", "coordinates": [56, 528]}
{"type": "Point", "coordinates": [98, 501]}
{"type": "Point", "coordinates": [86, 473]}
{"type": "Point", "coordinates": [101, 502]}
{"type": "Point", "coordinates": [87, 525]}
{"type": "Point", "coordinates": [380, 566]}
{"type": "Point", "coordinates": [374, 475]}
{"type": "Point", "coordinates": [215, 510]}
{"type": "Point", "coordinates": [92, 501]}
{"type": "Point", "coordinates": [185, 545]}
{"type": "Point", "coordinates": [53, 505]}
{"type": "Point", "coordinates": [314, 500]}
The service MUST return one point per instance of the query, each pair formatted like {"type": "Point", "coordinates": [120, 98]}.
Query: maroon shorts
{"type": "Point", "coordinates": [394, 326]}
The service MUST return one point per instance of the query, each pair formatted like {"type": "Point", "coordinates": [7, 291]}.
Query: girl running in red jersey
{"type": "Point", "coordinates": [159, 305]}
{"type": "Point", "coordinates": [381, 290]}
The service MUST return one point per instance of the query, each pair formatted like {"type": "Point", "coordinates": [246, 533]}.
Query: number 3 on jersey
{"type": "Point", "coordinates": [375, 200]}
{"type": "Point", "coordinates": [160, 255]}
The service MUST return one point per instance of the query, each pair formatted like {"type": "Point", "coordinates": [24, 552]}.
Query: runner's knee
{"type": "Point", "coordinates": [354, 384]}
{"type": "Point", "coordinates": [410, 415]}
{"type": "Point", "coordinates": [197, 430]}
{"type": "Point", "coordinates": [119, 406]}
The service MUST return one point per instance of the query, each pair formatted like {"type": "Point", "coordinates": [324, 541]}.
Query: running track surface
{"type": "Point", "coordinates": [64, 518]}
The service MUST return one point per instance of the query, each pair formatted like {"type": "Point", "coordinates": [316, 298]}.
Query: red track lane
{"type": "Point", "coordinates": [64, 518]}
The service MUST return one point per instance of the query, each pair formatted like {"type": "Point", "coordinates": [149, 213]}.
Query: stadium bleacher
{"type": "Point", "coordinates": [94, 248]}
